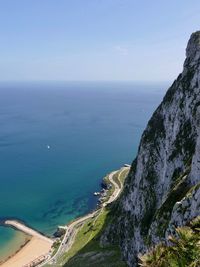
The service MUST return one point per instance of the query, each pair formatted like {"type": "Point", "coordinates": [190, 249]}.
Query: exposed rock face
{"type": "Point", "coordinates": [162, 187]}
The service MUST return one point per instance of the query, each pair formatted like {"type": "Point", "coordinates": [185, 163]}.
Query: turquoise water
{"type": "Point", "coordinates": [14, 240]}
{"type": "Point", "coordinates": [91, 128]}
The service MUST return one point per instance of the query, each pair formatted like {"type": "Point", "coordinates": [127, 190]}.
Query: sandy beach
{"type": "Point", "coordinates": [37, 248]}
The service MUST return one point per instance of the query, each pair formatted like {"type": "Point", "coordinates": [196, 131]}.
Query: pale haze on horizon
{"type": "Point", "coordinates": [95, 39]}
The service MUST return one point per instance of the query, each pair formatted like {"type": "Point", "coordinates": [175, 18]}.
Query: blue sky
{"type": "Point", "coordinates": [139, 40]}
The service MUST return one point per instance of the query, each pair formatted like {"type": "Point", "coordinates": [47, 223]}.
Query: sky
{"type": "Point", "coordinates": [128, 40]}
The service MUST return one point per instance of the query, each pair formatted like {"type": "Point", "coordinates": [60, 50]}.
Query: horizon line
{"type": "Point", "coordinates": [77, 81]}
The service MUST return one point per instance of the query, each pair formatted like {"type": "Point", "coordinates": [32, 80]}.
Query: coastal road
{"type": "Point", "coordinates": [116, 187]}
{"type": "Point", "coordinates": [71, 229]}
{"type": "Point", "coordinates": [68, 238]}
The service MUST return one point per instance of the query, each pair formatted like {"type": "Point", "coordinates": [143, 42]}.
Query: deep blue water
{"type": "Point", "coordinates": [91, 128]}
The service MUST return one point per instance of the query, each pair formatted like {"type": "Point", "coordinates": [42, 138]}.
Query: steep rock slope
{"type": "Point", "coordinates": [162, 188]}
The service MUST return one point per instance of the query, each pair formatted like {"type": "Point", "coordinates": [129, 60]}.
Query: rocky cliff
{"type": "Point", "coordinates": [162, 190]}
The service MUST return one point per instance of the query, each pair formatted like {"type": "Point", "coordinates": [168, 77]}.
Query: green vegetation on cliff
{"type": "Point", "coordinates": [184, 249]}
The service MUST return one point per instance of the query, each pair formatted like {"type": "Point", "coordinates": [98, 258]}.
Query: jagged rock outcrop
{"type": "Point", "coordinates": [162, 188]}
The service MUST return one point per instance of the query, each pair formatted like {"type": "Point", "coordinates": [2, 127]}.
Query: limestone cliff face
{"type": "Point", "coordinates": [162, 189]}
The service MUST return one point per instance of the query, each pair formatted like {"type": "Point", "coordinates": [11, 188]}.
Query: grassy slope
{"type": "Point", "coordinates": [86, 250]}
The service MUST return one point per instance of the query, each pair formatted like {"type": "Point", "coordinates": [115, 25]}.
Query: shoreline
{"type": "Point", "coordinates": [38, 250]}
{"type": "Point", "coordinates": [26, 229]}
{"type": "Point", "coordinates": [72, 227]}
{"type": "Point", "coordinates": [27, 240]}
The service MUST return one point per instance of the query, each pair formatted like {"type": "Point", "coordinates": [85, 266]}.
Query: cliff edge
{"type": "Point", "coordinates": [162, 190]}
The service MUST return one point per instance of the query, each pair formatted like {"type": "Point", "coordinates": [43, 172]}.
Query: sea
{"type": "Point", "coordinates": [58, 140]}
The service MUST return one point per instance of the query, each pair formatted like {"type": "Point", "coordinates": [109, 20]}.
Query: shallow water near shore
{"type": "Point", "coordinates": [58, 140]}
{"type": "Point", "coordinates": [14, 241]}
